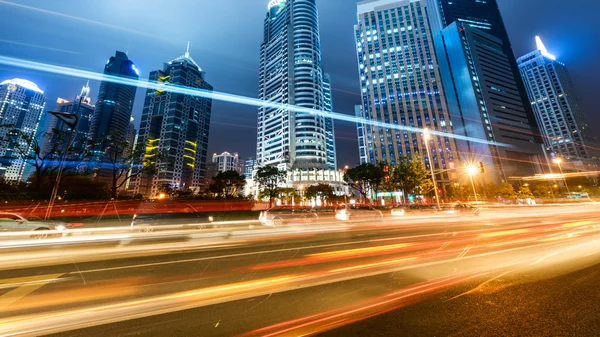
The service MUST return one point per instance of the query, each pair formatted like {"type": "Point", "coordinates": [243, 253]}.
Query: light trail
{"type": "Point", "coordinates": [77, 18]}
{"type": "Point", "coordinates": [220, 96]}
{"type": "Point", "coordinates": [38, 46]}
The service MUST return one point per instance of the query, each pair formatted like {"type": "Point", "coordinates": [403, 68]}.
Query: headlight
{"type": "Point", "coordinates": [210, 218]}
{"type": "Point", "coordinates": [60, 227]}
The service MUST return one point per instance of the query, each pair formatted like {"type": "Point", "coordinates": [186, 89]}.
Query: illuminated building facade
{"type": "Point", "coordinates": [115, 101]}
{"type": "Point", "coordinates": [85, 113]}
{"type": "Point", "coordinates": [227, 162]}
{"type": "Point", "coordinates": [485, 104]}
{"type": "Point", "coordinates": [291, 73]}
{"type": "Point", "coordinates": [362, 130]}
{"type": "Point", "coordinates": [483, 15]}
{"type": "Point", "coordinates": [174, 130]}
{"type": "Point", "coordinates": [401, 85]}
{"type": "Point", "coordinates": [561, 119]}
{"type": "Point", "coordinates": [22, 104]}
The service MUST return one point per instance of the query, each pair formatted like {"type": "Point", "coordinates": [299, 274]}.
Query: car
{"type": "Point", "coordinates": [353, 212]}
{"type": "Point", "coordinates": [288, 215]}
{"type": "Point", "coordinates": [13, 222]}
{"type": "Point", "coordinates": [148, 222]}
{"type": "Point", "coordinates": [460, 208]}
{"type": "Point", "coordinates": [414, 209]}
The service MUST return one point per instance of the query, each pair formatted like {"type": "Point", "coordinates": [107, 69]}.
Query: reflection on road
{"type": "Point", "coordinates": [292, 280]}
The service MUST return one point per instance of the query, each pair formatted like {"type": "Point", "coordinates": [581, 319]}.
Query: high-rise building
{"type": "Point", "coordinates": [115, 101]}
{"type": "Point", "coordinates": [329, 127]}
{"type": "Point", "coordinates": [560, 116]}
{"type": "Point", "coordinates": [227, 162]}
{"type": "Point", "coordinates": [401, 84]}
{"type": "Point", "coordinates": [486, 16]}
{"type": "Point", "coordinates": [485, 104]}
{"type": "Point", "coordinates": [174, 129]}
{"type": "Point", "coordinates": [81, 106]}
{"type": "Point", "coordinates": [249, 165]}
{"type": "Point", "coordinates": [22, 104]}
{"type": "Point", "coordinates": [362, 132]}
{"type": "Point", "coordinates": [291, 73]}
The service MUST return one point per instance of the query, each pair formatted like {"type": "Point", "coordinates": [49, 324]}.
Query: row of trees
{"type": "Point", "coordinates": [408, 175]}
{"type": "Point", "coordinates": [111, 154]}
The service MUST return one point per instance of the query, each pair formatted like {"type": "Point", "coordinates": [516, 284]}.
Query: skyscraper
{"type": "Point", "coordinates": [249, 164]}
{"type": "Point", "coordinates": [554, 101]}
{"type": "Point", "coordinates": [362, 132]}
{"type": "Point", "coordinates": [329, 127]}
{"type": "Point", "coordinates": [291, 73]}
{"type": "Point", "coordinates": [485, 104]}
{"type": "Point", "coordinates": [401, 84]}
{"type": "Point", "coordinates": [227, 162]}
{"type": "Point", "coordinates": [115, 101]}
{"type": "Point", "coordinates": [174, 129]}
{"type": "Point", "coordinates": [22, 104]}
{"type": "Point", "coordinates": [484, 15]}
{"type": "Point", "coordinates": [81, 106]}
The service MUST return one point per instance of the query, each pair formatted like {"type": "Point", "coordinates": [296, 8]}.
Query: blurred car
{"type": "Point", "coordinates": [414, 209]}
{"type": "Point", "coordinates": [353, 212]}
{"type": "Point", "coordinates": [149, 222]}
{"type": "Point", "coordinates": [288, 215]}
{"type": "Point", "coordinates": [12, 222]}
{"type": "Point", "coordinates": [460, 209]}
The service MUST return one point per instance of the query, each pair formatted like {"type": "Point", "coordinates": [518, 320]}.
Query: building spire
{"type": "Point", "coordinates": [542, 48]}
{"type": "Point", "coordinates": [187, 51]}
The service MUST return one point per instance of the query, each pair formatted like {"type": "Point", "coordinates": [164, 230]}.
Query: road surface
{"type": "Point", "coordinates": [305, 280]}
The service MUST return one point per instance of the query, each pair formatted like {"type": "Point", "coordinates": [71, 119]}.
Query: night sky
{"type": "Point", "coordinates": [225, 40]}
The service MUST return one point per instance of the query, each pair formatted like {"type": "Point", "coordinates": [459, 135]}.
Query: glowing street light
{"type": "Point", "coordinates": [558, 161]}
{"type": "Point", "coordinates": [426, 137]}
{"type": "Point", "coordinates": [472, 170]}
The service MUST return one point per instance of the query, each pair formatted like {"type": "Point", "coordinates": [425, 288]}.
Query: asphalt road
{"type": "Point", "coordinates": [304, 281]}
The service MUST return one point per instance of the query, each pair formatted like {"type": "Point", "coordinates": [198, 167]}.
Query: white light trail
{"type": "Point", "coordinates": [142, 83]}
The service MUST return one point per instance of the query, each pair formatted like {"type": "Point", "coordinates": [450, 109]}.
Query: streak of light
{"type": "Point", "coordinates": [376, 264]}
{"type": "Point", "coordinates": [39, 46]}
{"type": "Point", "coordinates": [27, 286]}
{"type": "Point", "coordinates": [77, 18]}
{"type": "Point", "coordinates": [503, 233]}
{"type": "Point", "coordinates": [357, 251]}
{"type": "Point", "coordinates": [221, 97]}
{"type": "Point", "coordinates": [578, 224]}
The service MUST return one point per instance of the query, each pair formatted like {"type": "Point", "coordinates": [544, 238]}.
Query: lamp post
{"type": "Point", "coordinates": [558, 161]}
{"type": "Point", "coordinates": [471, 169]}
{"type": "Point", "coordinates": [70, 120]}
{"type": "Point", "coordinates": [426, 137]}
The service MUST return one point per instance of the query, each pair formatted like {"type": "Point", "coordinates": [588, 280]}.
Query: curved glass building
{"type": "Point", "coordinates": [291, 73]}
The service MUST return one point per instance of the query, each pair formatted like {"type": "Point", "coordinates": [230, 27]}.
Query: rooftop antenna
{"type": "Point", "coordinates": [187, 51]}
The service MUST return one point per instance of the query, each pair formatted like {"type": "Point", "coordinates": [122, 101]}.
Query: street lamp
{"type": "Point", "coordinates": [471, 170]}
{"type": "Point", "coordinates": [558, 161]}
{"type": "Point", "coordinates": [71, 120]}
{"type": "Point", "coordinates": [426, 137]}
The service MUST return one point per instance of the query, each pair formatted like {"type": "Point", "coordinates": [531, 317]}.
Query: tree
{"type": "Point", "coordinates": [323, 191]}
{"type": "Point", "coordinates": [364, 178]}
{"type": "Point", "coordinates": [524, 193]}
{"type": "Point", "coordinates": [116, 159]}
{"type": "Point", "coordinates": [228, 184]}
{"type": "Point", "coordinates": [269, 178]}
{"type": "Point", "coordinates": [505, 191]}
{"type": "Point", "coordinates": [45, 162]}
{"type": "Point", "coordinates": [287, 194]}
{"type": "Point", "coordinates": [410, 176]}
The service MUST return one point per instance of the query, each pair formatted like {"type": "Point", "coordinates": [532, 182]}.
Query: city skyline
{"type": "Point", "coordinates": [339, 60]}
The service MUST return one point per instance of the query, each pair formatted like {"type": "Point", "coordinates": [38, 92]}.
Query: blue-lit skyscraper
{"type": "Point", "coordinates": [561, 119]}
{"type": "Point", "coordinates": [85, 113]}
{"type": "Point", "coordinates": [174, 130]}
{"type": "Point", "coordinates": [361, 133]}
{"type": "Point", "coordinates": [401, 84]}
{"type": "Point", "coordinates": [291, 73]}
{"type": "Point", "coordinates": [115, 101]}
{"type": "Point", "coordinates": [329, 127]}
{"type": "Point", "coordinates": [485, 104]}
{"type": "Point", "coordinates": [22, 104]}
